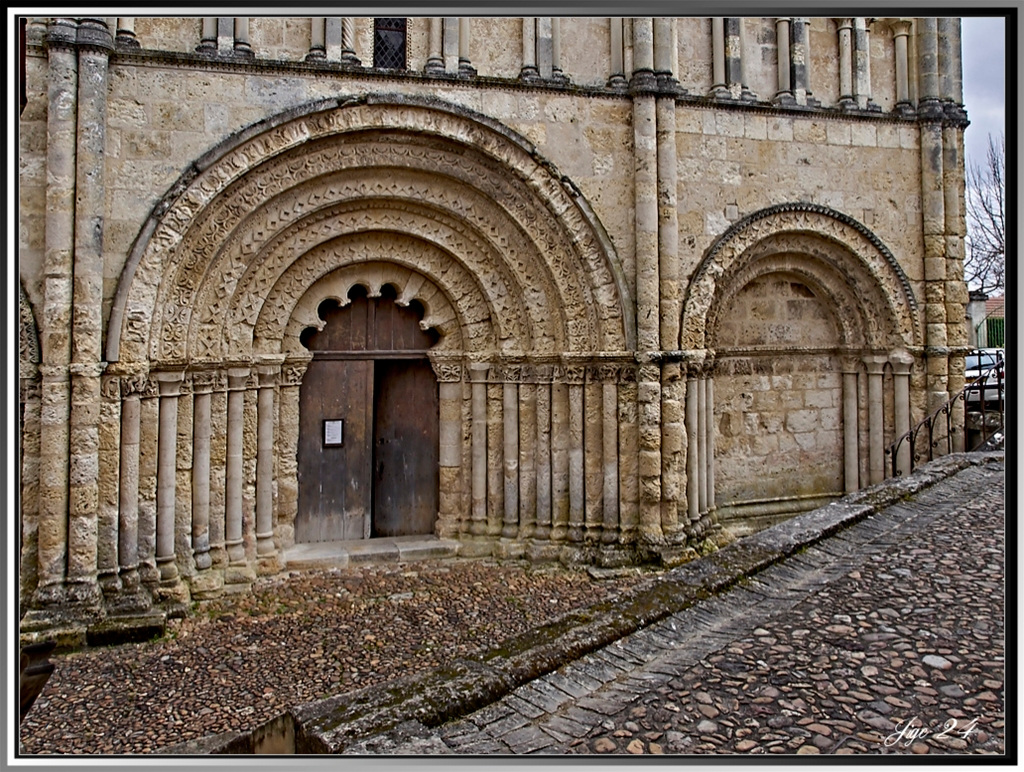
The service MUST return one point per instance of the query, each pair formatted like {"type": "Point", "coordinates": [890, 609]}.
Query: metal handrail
{"type": "Point", "coordinates": [980, 383]}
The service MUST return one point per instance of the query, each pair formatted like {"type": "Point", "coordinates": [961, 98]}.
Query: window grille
{"type": "Point", "coordinates": [389, 49]}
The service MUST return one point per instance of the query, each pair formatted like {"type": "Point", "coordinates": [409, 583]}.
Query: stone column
{"type": "Point", "coordinates": [465, 67]}
{"type": "Point", "coordinates": [851, 432]}
{"type": "Point", "coordinates": [735, 81]}
{"type": "Point", "coordinates": [527, 454]}
{"type": "Point", "coordinates": [664, 41]}
{"type": "Point", "coordinates": [693, 460]}
{"type": "Point", "coordinates": [673, 436]}
{"type": "Point", "coordinates": [237, 377]}
{"type": "Point", "coordinates": [556, 49]}
{"type": "Point", "coordinates": [242, 46]}
{"type": "Point", "coordinates": [862, 64]}
{"type": "Point", "coordinates": [629, 447]}
{"type": "Point", "coordinates": [435, 60]}
{"type": "Point", "coordinates": [543, 415]}
{"type": "Point", "coordinates": [208, 36]}
{"type": "Point", "coordinates": [670, 290]}
{"type": "Point", "coordinates": [617, 78]}
{"type": "Point", "coordinates": [348, 41]}
{"type": "Point", "coordinates": [610, 452]}
{"type": "Point", "coordinates": [718, 82]}
{"type": "Point", "coordinates": [202, 386]}
{"type": "Point", "coordinates": [266, 550]}
{"type": "Point", "coordinates": [225, 35]}
{"type": "Point", "coordinates": [478, 378]}
{"type": "Point", "coordinates": [128, 495]}
{"type": "Point", "coordinates": [55, 330]}
{"type": "Point", "coordinates": [125, 35]}
{"type": "Point", "coordinates": [845, 28]}
{"type": "Point", "coordinates": [577, 491]}
{"type": "Point", "coordinates": [901, 364]}
{"type": "Point", "coordinates": [107, 565]}
{"type": "Point", "coordinates": [876, 430]}
{"type": "Point", "coordinates": [709, 387]}
{"type": "Point", "coordinates": [800, 62]}
{"type": "Point", "coordinates": [495, 456]}
{"type": "Point", "coordinates": [510, 431]}
{"type": "Point", "coordinates": [529, 69]}
{"type": "Point", "coordinates": [287, 445]}
{"type": "Point", "coordinates": [169, 384]}
{"type": "Point", "coordinates": [784, 91]}
{"type": "Point", "coordinates": [649, 407]}
{"type": "Point", "coordinates": [149, 437]}
{"type": "Point", "coordinates": [449, 377]}
{"type": "Point", "coordinates": [900, 33]}
{"type": "Point", "coordinates": [95, 43]}
{"type": "Point", "coordinates": [559, 456]}
{"type": "Point", "coordinates": [317, 39]}
{"type": "Point", "coordinates": [643, 47]}
{"type": "Point", "coordinates": [702, 443]}
{"type": "Point", "coordinates": [593, 455]}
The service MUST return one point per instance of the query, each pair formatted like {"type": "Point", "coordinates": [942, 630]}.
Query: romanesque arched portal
{"type": "Point", "coordinates": [808, 322]}
{"type": "Point", "coordinates": [439, 207]}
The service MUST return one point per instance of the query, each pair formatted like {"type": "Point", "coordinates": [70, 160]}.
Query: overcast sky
{"type": "Point", "coordinates": [984, 61]}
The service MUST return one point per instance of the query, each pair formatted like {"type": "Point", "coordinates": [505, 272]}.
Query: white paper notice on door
{"type": "Point", "coordinates": [333, 432]}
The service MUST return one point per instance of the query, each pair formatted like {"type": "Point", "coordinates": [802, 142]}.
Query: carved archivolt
{"type": "Point", "coordinates": [28, 334]}
{"type": "Point", "coordinates": [834, 255]}
{"type": "Point", "coordinates": [456, 196]}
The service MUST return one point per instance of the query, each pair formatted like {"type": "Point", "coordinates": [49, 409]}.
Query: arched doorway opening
{"type": "Point", "coordinates": [368, 436]}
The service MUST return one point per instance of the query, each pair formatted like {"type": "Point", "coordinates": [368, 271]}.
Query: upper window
{"type": "Point", "coordinates": [389, 44]}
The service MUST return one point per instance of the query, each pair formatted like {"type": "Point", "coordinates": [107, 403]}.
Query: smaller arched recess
{"type": "Point", "coordinates": [803, 320]}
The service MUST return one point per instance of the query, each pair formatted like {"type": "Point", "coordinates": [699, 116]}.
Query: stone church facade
{"type": "Point", "coordinates": [576, 289]}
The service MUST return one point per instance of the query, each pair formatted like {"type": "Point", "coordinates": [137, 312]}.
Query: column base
{"type": "Point", "coordinates": [475, 547]}
{"type": "Point", "coordinates": [128, 628]}
{"type": "Point", "coordinates": [509, 549]}
{"type": "Point", "coordinates": [207, 584]}
{"type": "Point", "coordinates": [676, 555]}
{"type": "Point", "coordinates": [268, 565]}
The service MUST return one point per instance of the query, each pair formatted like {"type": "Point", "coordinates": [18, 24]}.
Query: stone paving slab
{"type": "Point", "coordinates": [828, 665]}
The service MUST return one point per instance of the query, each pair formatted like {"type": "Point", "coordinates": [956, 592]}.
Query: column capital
{"type": "Point", "coordinates": [875, 363]}
{"type": "Point", "coordinates": [237, 378]}
{"type": "Point", "coordinates": [902, 360]}
{"type": "Point", "coordinates": [169, 382]}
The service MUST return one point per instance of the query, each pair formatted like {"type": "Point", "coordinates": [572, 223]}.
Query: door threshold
{"type": "Point", "coordinates": [380, 550]}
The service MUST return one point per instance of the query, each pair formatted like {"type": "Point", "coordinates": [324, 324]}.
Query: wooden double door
{"type": "Point", "coordinates": [368, 427]}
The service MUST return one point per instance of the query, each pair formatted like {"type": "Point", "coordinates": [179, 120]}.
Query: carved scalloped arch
{"type": "Point", "coordinates": [184, 251]}
{"type": "Point", "coordinates": [29, 352]}
{"type": "Point", "coordinates": [853, 263]}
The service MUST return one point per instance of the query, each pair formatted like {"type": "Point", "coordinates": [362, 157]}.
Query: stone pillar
{"type": "Point", "coordinates": [629, 446]}
{"type": "Point", "coordinates": [527, 454]}
{"type": "Point", "coordinates": [435, 59]}
{"type": "Point", "coordinates": [449, 377]}
{"type": "Point", "coordinates": [718, 83]}
{"type": "Point", "coordinates": [149, 420]}
{"type": "Point", "coordinates": [544, 471]}
{"type": "Point", "coordinates": [851, 435]}
{"type": "Point", "coordinates": [876, 430]}
{"type": "Point", "coordinates": [784, 91]}
{"type": "Point", "coordinates": [292, 373]}
{"type": "Point", "coordinates": [664, 41]}
{"type": "Point", "coordinates": [495, 456]}
{"type": "Point", "coordinates": [670, 291]}
{"type": "Point", "coordinates": [901, 364]}
{"type": "Point", "coordinates": [734, 77]}
{"type": "Point", "coordinates": [169, 384]}
{"type": "Point", "coordinates": [593, 455]}
{"type": "Point", "coordinates": [208, 36]}
{"type": "Point", "coordinates": [709, 388]}
{"type": "Point", "coordinates": [107, 565]}
{"type": "Point", "coordinates": [529, 69]}
{"type": "Point", "coordinates": [237, 377]}
{"type": "Point", "coordinates": [862, 64]}
{"type": "Point", "coordinates": [647, 221]}
{"type": "Point", "coordinates": [465, 67]}
{"type": "Point", "coordinates": [202, 386]}
{"type": "Point", "coordinates": [125, 34]}
{"type": "Point", "coordinates": [643, 47]}
{"type": "Point", "coordinates": [225, 35]}
{"type": "Point", "coordinates": [559, 456]}
{"type": "Point", "coordinates": [556, 49]}
{"type": "Point", "coordinates": [845, 28]}
{"type": "Point", "coordinates": [348, 42]}
{"type": "Point", "coordinates": [317, 39]}
{"type": "Point", "coordinates": [673, 435]}
{"type": "Point", "coordinates": [900, 33]}
{"type": "Point", "coordinates": [55, 330]}
{"type": "Point", "coordinates": [478, 378]}
{"type": "Point", "coordinates": [242, 46]}
{"type": "Point", "coordinates": [510, 431]}
{"type": "Point", "coordinates": [610, 452]}
{"type": "Point", "coordinates": [649, 406]}
{"type": "Point", "coordinates": [617, 78]}
{"type": "Point", "coordinates": [800, 61]}
{"type": "Point", "coordinates": [693, 459]}
{"type": "Point", "coordinates": [266, 550]}
{"type": "Point", "coordinates": [702, 443]}
{"type": "Point", "coordinates": [128, 495]}
{"type": "Point", "coordinates": [577, 505]}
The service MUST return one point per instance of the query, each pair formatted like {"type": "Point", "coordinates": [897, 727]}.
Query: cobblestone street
{"type": "Point", "coordinates": [886, 638]}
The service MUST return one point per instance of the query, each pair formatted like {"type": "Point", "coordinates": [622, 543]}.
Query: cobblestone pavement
{"type": "Point", "coordinates": [887, 638]}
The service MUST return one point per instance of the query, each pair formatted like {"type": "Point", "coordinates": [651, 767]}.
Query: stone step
{"type": "Point", "coordinates": [341, 554]}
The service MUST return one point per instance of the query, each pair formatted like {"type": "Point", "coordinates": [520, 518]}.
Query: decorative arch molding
{"type": "Point", "coordinates": [29, 352]}
{"type": "Point", "coordinates": [841, 258]}
{"type": "Point", "coordinates": [478, 192]}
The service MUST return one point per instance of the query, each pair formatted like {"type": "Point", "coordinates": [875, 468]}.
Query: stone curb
{"type": "Point", "coordinates": [433, 698]}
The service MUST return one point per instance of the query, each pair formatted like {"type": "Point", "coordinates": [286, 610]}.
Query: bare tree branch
{"type": "Point", "coordinates": [985, 261]}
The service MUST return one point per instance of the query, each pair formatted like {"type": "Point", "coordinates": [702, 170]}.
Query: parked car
{"type": "Point", "coordinates": [990, 361]}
